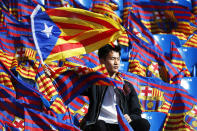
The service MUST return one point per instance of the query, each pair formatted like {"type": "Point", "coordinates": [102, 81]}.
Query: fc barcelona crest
{"type": "Point", "coordinates": [18, 123]}
{"type": "Point", "coordinates": [151, 99]}
{"type": "Point", "coordinates": [191, 118]}
{"type": "Point", "coordinates": [165, 20]}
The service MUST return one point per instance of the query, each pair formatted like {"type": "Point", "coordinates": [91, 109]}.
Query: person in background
{"type": "Point", "coordinates": [102, 114]}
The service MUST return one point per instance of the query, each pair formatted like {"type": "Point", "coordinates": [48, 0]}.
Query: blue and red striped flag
{"type": "Point", "coordinates": [152, 53]}
{"type": "Point", "coordinates": [16, 28]}
{"type": "Point", "coordinates": [194, 6]}
{"type": "Point", "coordinates": [161, 17]}
{"type": "Point", "coordinates": [71, 83]}
{"type": "Point", "coordinates": [79, 107]}
{"type": "Point", "coordinates": [177, 60]}
{"type": "Point", "coordinates": [27, 94]}
{"type": "Point", "coordinates": [192, 41]}
{"type": "Point", "coordinates": [35, 120]}
{"type": "Point", "coordinates": [183, 112]}
{"type": "Point", "coordinates": [134, 24]}
{"type": "Point", "coordinates": [53, 3]}
{"type": "Point", "coordinates": [91, 59]}
{"type": "Point", "coordinates": [123, 123]}
{"type": "Point", "coordinates": [127, 5]}
{"type": "Point", "coordinates": [16, 115]}
{"type": "Point", "coordinates": [64, 32]}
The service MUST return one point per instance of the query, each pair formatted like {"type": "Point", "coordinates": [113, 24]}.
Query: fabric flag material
{"type": "Point", "coordinates": [194, 6]}
{"type": "Point", "coordinates": [35, 120]}
{"type": "Point", "coordinates": [153, 94]}
{"type": "Point", "coordinates": [177, 61]}
{"type": "Point", "coordinates": [127, 4]}
{"type": "Point", "coordinates": [134, 24]}
{"type": "Point", "coordinates": [123, 123]}
{"type": "Point", "coordinates": [183, 113]}
{"type": "Point", "coordinates": [16, 28]}
{"type": "Point", "coordinates": [192, 41]}
{"type": "Point", "coordinates": [106, 7]}
{"type": "Point", "coordinates": [16, 116]}
{"type": "Point", "coordinates": [25, 93]}
{"type": "Point", "coordinates": [70, 83]}
{"type": "Point", "coordinates": [64, 32]}
{"type": "Point", "coordinates": [90, 60]}
{"type": "Point", "coordinates": [79, 107]}
{"type": "Point", "coordinates": [152, 53]}
{"type": "Point", "coordinates": [165, 18]}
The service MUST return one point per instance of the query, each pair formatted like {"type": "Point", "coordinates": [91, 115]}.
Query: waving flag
{"type": "Point", "coordinates": [106, 7]}
{"type": "Point", "coordinates": [134, 24]}
{"type": "Point", "coordinates": [64, 32]}
{"type": "Point", "coordinates": [165, 18]}
{"type": "Point", "coordinates": [177, 61]}
{"type": "Point", "coordinates": [183, 113]}
{"type": "Point", "coordinates": [90, 60]}
{"type": "Point", "coordinates": [192, 42]}
{"type": "Point", "coordinates": [16, 28]}
{"type": "Point", "coordinates": [79, 107]}
{"type": "Point", "coordinates": [152, 53]}
{"type": "Point", "coordinates": [37, 120]}
{"type": "Point", "coordinates": [154, 94]}
{"type": "Point", "coordinates": [123, 123]}
{"type": "Point", "coordinates": [71, 83]}
{"type": "Point", "coordinates": [16, 116]}
{"type": "Point", "coordinates": [194, 5]}
{"type": "Point", "coordinates": [25, 93]}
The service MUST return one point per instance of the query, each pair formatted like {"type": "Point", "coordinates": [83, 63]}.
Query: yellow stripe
{"type": "Point", "coordinates": [58, 103]}
{"type": "Point", "coordinates": [77, 21]}
{"type": "Point", "coordinates": [85, 35]}
{"type": "Point", "coordinates": [92, 14]}
{"type": "Point", "coordinates": [46, 86]}
{"type": "Point", "coordinates": [88, 34]}
{"type": "Point", "coordinates": [83, 50]}
{"type": "Point", "coordinates": [27, 72]}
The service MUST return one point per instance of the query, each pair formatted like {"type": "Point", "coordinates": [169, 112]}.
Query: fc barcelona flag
{"type": "Point", "coordinates": [123, 123]}
{"type": "Point", "coordinates": [63, 32]}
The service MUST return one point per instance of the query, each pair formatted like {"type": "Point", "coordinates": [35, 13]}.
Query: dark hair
{"type": "Point", "coordinates": [104, 51]}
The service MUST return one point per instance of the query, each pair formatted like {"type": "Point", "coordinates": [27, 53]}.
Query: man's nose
{"type": "Point", "coordinates": [116, 61]}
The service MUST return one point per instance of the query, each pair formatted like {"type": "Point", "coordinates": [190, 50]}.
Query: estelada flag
{"type": "Point", "coordinates": [63, 32]}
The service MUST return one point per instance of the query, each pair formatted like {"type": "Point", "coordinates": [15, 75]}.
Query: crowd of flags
{"type": "Point", "coordinates": [48, 57]}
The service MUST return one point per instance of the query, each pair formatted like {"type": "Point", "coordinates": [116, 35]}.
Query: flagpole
{"type": "Point", "coordinates": [33, 32]}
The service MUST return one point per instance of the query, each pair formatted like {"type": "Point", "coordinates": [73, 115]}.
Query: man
{"type": "Point", "coordinates": [102, 114]}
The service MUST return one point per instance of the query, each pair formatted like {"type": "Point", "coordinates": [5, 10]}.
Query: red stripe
{"type": "Point", "coordinates": [153, 84]}
{"type": "Point", "coordinates": [75, 90]}
{"type": "Point", "coordinates": [75, 105]}
{"type": "Point", "coordinates": [79, 100]}
{"type": "Point", "coordinates": [65, 13]}
{"type": "Point", "coordinates": [6, 45]}
{"type": "Point", "coordinates": [47, 89]}
{"type": "Point", "coordinates": [83, 43]}
{"type": "Point", "coordinates": [68, 85]}
{"type": "Point", "coordinates": [48, 120]}
{"type": "Point", "coordinates": [72, 26]}
{"type": "Point", "coordinates": [23, 29]}
{"type": "Point", "coordinates": [26, 73]}
{"type": "Point", "coordinates": [58, 107]}
{"type": "Point", "coordinates": [141, 29]}
{"type": "Point", "coordinates": [9, 92]}
{"type": "Point", "coordinates": [11, 105]}
{"type": "Point", "coordinates": [103, 9]}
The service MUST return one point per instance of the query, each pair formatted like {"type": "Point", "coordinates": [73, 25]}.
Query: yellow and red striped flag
{"type": "Point", "coordinates": [64, 32]}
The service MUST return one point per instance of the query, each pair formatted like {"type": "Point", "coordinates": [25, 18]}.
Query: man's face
{"type": "Point", "coordinates": [111, 62]}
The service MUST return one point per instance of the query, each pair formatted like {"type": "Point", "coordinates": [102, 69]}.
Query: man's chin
{"type": "Point", "coordinates": [115, 71]}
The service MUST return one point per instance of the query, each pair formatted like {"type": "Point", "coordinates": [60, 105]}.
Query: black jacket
{"type": "Point", "coordinates": [128, 102]}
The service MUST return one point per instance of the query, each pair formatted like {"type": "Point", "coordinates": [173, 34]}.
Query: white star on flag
{"type": "Point", "coordinates": [47, 30]}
